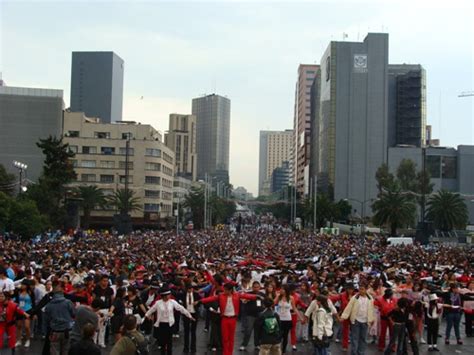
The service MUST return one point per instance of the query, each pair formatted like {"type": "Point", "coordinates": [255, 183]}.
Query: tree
{"type": "Point", "coordinates": [194, 200]}
{"type": "Point", "coordinates": [5, 202]}
{"type": "Point", "coordinates": [406, 175]}
{"type": "Point", "coordinates": [385, 179]}
{"type": "Point", "coordinates": [7, 181]}
{"type": "Point", "coordinates": [124, 201]}
{"type": "Point", "coordinates": [25, 219]}
{"type": "Point", "coordinates": [447, 210]}
{"type": "Point", "coordinates": [395, 209]}
{"type": "Point", "coordinates": [90, 197]}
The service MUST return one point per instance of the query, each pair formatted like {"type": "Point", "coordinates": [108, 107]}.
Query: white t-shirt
{"type": "Point", "coordinates": [284, 310]}
{"type": "Point", "coordinates": [363, 311]}
{"type": "Point", "coordinates": [7, 285]}
{"type": "Point", "coordinates": [229, 308]}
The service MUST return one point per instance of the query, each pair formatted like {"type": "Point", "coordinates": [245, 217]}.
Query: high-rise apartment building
{"type": "Point", "coordinates": [351, 118]}
{"type": "Point", "coordinates": [26, 116]}
{"type": "Point", "coordinates": [212, 136]}
{"type": "Point", "coordinates": [101, 159]}
{"type": "Point", "coordinates": [97, 85]}
{"type": "Point", "coordinates": [300, 159]}
{"type": "Point", "coordinates": [275, 148]}
{"type": "Point", "coordinates": [181, 138]}
{"type": "Point", "coordinates": [406, 105]}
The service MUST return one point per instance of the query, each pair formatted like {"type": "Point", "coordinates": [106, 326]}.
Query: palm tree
{"type": "Point", "coordinates": [447, 210]}
{"type": "Point", "coordinates": [395, 209]}
{"type": "Point", "coordinates": [90, 197]}
{"type": "Point", "coordinates": [124, 201]}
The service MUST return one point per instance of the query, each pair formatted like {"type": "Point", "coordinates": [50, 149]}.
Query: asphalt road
{"type": "Point", "coordinates": [202, 337]}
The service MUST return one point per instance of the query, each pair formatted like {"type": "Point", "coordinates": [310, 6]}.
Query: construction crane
{"type": "Point", "coordinates": [466, 94]}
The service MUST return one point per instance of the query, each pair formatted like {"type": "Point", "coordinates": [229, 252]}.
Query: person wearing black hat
{"type": "Point", "coordinates": [187, 300]}
{"type": "Point", "coordinates": [164, 311]}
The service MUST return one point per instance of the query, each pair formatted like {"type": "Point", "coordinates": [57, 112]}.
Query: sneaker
{"type": "Point", "coordinates": [242, 348]}
{"type": "Point", "coordinates": [459, 342]}
{"type": "Point", "coordinates": [27, 343]}
{"type": "Point", "coordinates": [423, 341]}
{"type": "Point", "coordinates": [294, 348]}
{"type": "Point", "coordinates": [214, 349]}
{"type": "Point", "coordinates": [18, 343]}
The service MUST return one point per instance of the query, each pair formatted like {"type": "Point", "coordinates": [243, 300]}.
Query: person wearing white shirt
{"type": "Point", "coordinates": [6, 285]}
{"type": "Point", "coordinates": [164, 311]}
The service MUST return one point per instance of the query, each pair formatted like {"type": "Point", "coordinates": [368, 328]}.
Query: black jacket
{"type": "Point", "coordinates": [261, 335]}
{"type": "Point", "coordinates": [182, 299]}
{"type": "Point", "coordinates": [84, 347]}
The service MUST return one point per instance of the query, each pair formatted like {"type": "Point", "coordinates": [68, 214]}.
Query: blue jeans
{"type": "Point", "coordinates": [453, 319]}
{"type": "Point", "coordinates": [358, 338]}
{"type": "Point", "coordinates": [320, 351]}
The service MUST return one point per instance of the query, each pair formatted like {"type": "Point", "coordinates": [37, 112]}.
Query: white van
{"type": "Point", "coordinates": [400, 240]}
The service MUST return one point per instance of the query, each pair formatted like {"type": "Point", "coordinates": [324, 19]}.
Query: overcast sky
{"type": "Point", "coordinates": [249, 52]}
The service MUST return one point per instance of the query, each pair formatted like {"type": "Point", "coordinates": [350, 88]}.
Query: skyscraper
{"type": "Point", "coordinates": [181, 138]}
{"type": "Point", "coordinates": [26, 116]}
{"type": "Point", "coordinates": [97, 85]}
{"type": "Point", "coordinates": [302, 127]}
{"type": "Point", "coordinates": [212, 136]}
{"type": "Point", "coordinates": [275, 149]}
{"type": "Point", "coordinates": [352, 117]}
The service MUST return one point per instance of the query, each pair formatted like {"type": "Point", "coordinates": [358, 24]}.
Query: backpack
{"type": "Point", "coordinates": [271, 326]}
{"type": "Point", "coordinates": [140, 348]}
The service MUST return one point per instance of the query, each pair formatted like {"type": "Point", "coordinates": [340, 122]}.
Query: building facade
{"type": "Point", "coordinates": [281, 177]}
{"type": "Point", "coordinates": [406, 105]}
{"type": "Point", "coordinates": [97, 85]}
{"type": "Point", "coordinates": [27, 115]}
{"type": "Point", "coordinates": [350, 123]}
{"type": "Point", "coordinates": [301, 148]}
{"type": "Point", "coordinates": [181, 138]}
{"type": "Point", "coordinates": [212, 136]}
{"type": "Point", "coordinates": [100, 160]}
{"type": "Point", "coordinates": [449, 168]}
{"type": "Point", "coordinates": [275, 148]}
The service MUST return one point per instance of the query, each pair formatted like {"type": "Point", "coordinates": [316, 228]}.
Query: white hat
{"type": "Point", "coordinates": [433, 297]}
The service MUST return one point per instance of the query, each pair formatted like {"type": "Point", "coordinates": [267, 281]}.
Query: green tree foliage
{"type": "Point", "coordinates": [5, 202]}
{"type": "Point", "coordinates": [406, 175]}
{"type": "Point", "coordinates": [89, 197]}
{"type": "Point", "coordinates": [385, 179]}
{"type": "Point", "coordinates": [24, 218]}
{"type": "Point", "coordinates": [124, 201]}
{"type": "Point", "coordinates": [447, 210]}
{"type": "Point", "coordinates": [7, 181]}
{"type": "Point", "coordinates": [395, 209]}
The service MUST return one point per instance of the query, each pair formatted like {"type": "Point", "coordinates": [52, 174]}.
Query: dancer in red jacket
{"type": "Point", "coordinates": [229, 305]}
{"type": "Point", "coordinates": [8, 312]}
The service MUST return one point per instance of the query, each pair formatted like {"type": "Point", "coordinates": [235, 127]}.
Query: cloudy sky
{"type": "Point", "coordinates": [247, 51]}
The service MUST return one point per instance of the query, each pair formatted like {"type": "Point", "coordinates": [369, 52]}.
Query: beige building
{"type": "Point", "coordinates": [100, 160]}
{"type": "Point", "coordinates": [275, 148]}
{"type": "Point", "coordinates": [181, 139]}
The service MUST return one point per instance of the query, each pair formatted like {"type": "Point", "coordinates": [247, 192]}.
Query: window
{"type": "Point", "coordinates": [151, 207]}
{"type": "Point", "coordinates": [107, 164]}
{"type": "Point", "coordinates": [73, 148]}
{"type": "Point", "coordinates": [153, 166]}
{"type": "Point", "coordinates": [88, 164]}
{"type": "Point", "coordinates": [107, 179]}
{"type": "Point", "coordinates": [122, 165]}
{"type": "Point", "coordinates": [152, 180]}
{"type": "Point", "coordinates": [127, 135]}
{"type": "Point", "coordinates": [122, 179]}
{"type": "Point", "coordinates": [449, 167]}
{"type": "Point", "coordinates": [101, 134]}
{"type": "Point", "coordinates": [151, 152]}
{"type": "Point", "coordinates": [88, 177]}
{"type": "Point", "coordinates": [123, 151]}
{"type": "Point", "coordinates": [73, 134]}
{"type": "Point", "coordinates": [107, 150]}
{"type": "Point", "coordinates": [73, 163]}
{"type": "Point", "coordinates": [152, 193]}
{"type": "Point", "coordinates": [89, 150]}
{"type": "Point", "coordinates": [433, 165]}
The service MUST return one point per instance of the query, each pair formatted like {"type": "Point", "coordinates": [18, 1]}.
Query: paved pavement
{"type": "Point", "coordinates": [202, 337]}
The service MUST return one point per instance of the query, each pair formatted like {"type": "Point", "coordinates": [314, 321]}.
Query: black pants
{"type": "Point", "coordinates": [164, 337]}
{"type": "Point", "coordinates": [177, 318]}
{"type": "Point", "coordinates": [215, 340]}
{"type": "Point", "coordinates": [410, 328]}
{"type": "Point", "coordinates": [433, 329]}
{"type": "Point", "coordinates": [469, 317]}
{"type": "Point", "coordinates": [286, 326]}
{"type": "Point", "coordinates": [190, 332]}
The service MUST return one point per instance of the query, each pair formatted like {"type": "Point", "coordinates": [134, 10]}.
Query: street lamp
{"type": "Point", "coordinates": [20, 166]}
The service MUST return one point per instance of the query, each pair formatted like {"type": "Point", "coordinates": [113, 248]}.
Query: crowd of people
{"type": "Point", "coordinates": [87, 291]}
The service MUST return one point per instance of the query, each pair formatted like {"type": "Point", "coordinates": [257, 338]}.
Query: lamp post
{"type": "Point", "coordinates": [20, 166]}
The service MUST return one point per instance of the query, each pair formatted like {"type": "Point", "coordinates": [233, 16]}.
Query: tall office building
{"type": "Point", "coordinates": [181, 138]}
{"type": "Point", "coordinates": [212, 136]}
{"type": "Point", "coordinates": [26, 115]}
{"type": "Point", "coordinates": [275, 148]}
{"type": "Point", "coordinates": [406, 105]}
{"type": "Point", "coordinates": [281, 177]}
{"type": "Point", "coordinates": [97, 85]}
{"type": "Point", "coordinates": [300, 159]}
{"type": "Point", "coordinates": [352, 118]}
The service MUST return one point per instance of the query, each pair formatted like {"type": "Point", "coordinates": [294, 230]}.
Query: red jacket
{"type": "Point", "coordinates": [385, 306]}
{"type": "Point", "coordinates": [343, 298]}
{"type": "Point", "coordinates": [12, 311]}
{"type": "Point", "coordinates": [236, 297]}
